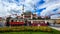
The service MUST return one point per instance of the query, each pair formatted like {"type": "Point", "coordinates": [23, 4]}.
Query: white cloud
{"type": "Point", "coordinates": [50, 5]}
{"type": "Point", "coordinates": [7, 5]}
{"type": "Point", "coordinates": [55, 16]}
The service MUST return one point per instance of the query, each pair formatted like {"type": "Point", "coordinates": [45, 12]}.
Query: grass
{"type": "Point", "coordinates": [55, 31]}
{"type": "Point", "coordinates": [26, 33]}
{"type": "Point", "coordinates": [23, 32]}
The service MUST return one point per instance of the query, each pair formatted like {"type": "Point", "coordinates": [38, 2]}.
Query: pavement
{"type": "Point", "coordinates": [55, 26]}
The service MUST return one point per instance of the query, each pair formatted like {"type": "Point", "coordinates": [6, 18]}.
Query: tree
{"type": "Point", "coordinates": [7, 21]}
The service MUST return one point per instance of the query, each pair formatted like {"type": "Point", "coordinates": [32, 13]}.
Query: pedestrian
{"type": "Point", "coordinates": [48, 23]}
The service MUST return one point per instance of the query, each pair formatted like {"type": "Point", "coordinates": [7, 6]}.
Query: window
{"type": "Point", "coordinates": [12, 20]}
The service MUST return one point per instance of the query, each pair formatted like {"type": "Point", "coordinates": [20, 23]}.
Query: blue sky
{"type": "Point", "coordinates": [43, 7]}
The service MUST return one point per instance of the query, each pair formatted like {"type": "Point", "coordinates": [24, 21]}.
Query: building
{"type": "Point", "coordinates": [29, 15]}
{"type": "Point", "coordinates": [2, 22]}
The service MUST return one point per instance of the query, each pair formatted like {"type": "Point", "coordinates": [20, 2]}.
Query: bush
{"type": "Point", "coordinates": [27, 28]}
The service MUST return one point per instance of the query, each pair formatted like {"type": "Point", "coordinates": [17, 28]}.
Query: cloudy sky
{"type": "Point", "coordinates": [43, 7]}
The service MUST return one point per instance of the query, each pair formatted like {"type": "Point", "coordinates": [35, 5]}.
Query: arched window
{"type": "Point", "coordinates": [12, 20]}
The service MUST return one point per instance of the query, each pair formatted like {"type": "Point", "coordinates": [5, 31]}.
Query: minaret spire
{"type": "Point", "coordinates": [23, 11]}
{"type": "Point", "coordinates": [35, 11]}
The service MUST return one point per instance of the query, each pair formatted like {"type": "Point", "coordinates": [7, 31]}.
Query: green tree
{"type": "Point", "coordinates": [7, 20]}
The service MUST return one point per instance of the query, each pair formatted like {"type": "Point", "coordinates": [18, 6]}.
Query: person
{"type": "Point", "coordinates": [25, 24]}
{"type": "Point", "coordinates": [54, 23]}
{"type": "Point", "coordinates": [48, 23]}
{"type": "Point", "coordinates": [29, 23]}
{"type": "Point", "coordinates": [11, 23]}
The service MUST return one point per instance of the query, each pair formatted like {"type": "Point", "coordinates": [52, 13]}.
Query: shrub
{"type": "Point", "coordinates": [27, 28]}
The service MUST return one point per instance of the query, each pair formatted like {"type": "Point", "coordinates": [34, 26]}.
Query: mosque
{"type": "Point", "coordinates": [30, 17]}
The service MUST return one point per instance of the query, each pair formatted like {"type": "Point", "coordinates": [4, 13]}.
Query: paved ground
{"type": "Point", "coordinates": [56, 26]}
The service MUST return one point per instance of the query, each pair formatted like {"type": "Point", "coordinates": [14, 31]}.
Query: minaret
{"type": "Point", "coordinates": [31, 16]}
{"type": "Point", "coordinates": [23, 11]}
{"type": "Point", "coordinates": [35, 10]}
{"type": "Point", "coordinates": [34, 13]}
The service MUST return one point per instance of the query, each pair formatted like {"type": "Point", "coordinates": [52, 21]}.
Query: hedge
{"type": "Point", "coordinates": [26, 28]}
